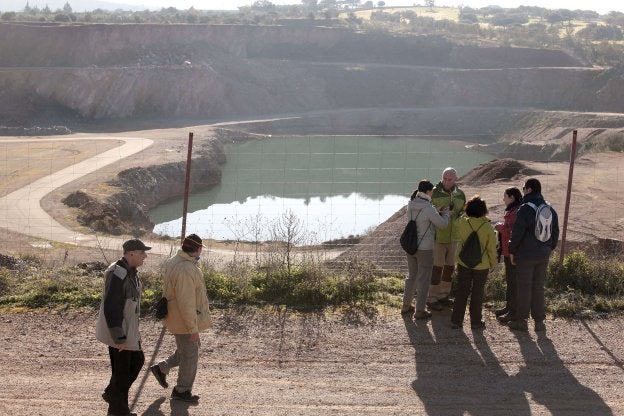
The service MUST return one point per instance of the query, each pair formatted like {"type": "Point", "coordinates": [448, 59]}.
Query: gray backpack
{"type": "Point", "coordinates": [543, 221]}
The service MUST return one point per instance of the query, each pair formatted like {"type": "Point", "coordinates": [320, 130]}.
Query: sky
{"type": "Point", "coordinates": [600, 6]}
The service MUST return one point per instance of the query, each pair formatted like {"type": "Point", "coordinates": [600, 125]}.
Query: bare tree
{"type": "Point", "coordinates": [288, 229]}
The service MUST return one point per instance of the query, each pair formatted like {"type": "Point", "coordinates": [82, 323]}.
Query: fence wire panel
{"type": "Point", "coordinates": [338, 198]}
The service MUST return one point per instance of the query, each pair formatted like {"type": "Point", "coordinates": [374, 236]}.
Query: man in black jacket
{"type": "Point", "coordinates": [118, 325]}
{"type": "Point", "coordinates": [531, 255]}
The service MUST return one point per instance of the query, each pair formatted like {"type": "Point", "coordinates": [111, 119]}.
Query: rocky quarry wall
{"type": "Point", "coordinates": [77, 74]}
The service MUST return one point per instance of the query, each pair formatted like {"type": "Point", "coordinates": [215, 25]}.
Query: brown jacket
{"type": "Point", "coordinates": [185, 290]}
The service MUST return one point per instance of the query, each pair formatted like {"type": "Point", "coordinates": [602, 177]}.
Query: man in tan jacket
{"type": "Point", "coordinates": [188, 314]}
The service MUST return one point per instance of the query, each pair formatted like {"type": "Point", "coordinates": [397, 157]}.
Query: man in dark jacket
{"type": "Point", "coordinates": [531, 257]}
{"type": "Point", "coordinates": [118, 325]}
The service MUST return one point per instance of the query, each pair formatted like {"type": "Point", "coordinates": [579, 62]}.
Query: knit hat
{"type": "Point", "coordinates": [191, 243]}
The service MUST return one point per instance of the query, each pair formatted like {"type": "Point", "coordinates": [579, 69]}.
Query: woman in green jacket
{"type": "Point", "coordinates": [471, 280]}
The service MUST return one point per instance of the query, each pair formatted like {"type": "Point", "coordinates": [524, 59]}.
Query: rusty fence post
{"type": "Point", "coordinates": [187, 185]}
{"type": "Point", "coordinates": [568, 196]}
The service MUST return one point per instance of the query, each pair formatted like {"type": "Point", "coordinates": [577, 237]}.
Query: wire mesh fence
{"type": "Point", "coordinates": [342, 195]}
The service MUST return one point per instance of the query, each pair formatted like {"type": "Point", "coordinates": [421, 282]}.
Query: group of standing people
{"type": "Point", "coordinates": [118, 321]}
{"type": "Point", "coordinates": [445, 221]}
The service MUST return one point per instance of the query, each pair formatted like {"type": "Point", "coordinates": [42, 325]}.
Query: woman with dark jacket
{"type": "Point", "coordinates": [512, 197]}
{"type": "Point", "coordinates": [420, 264]}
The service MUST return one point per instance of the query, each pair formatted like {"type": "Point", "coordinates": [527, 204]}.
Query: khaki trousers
{"type": "Point", "coordinates": [185, 357]}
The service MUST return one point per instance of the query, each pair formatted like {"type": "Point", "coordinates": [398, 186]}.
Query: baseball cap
{"type": "Point", "coordinates": [135, 244]}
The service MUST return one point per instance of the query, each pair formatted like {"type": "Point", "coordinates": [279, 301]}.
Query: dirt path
{"type": "Point", "coordinates": [22, 207]}
{"type": "Point", "coordinates": [278, 363]}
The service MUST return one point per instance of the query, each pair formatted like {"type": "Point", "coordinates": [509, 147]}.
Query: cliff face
{"type": "Point", "coordinates": [148, 44]}
{"type": "Point", "coordinates": [82, 73]}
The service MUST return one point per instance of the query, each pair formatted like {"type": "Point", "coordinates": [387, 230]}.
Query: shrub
{"type": "Point", "coordinates": [57, 287]}
{"type": "Point", "coordinates": [226, 289]}
{"type": "Point", "coordinates": [152, 289]}
{"type": "Point", "coordinates": [496, 287]}
{"type": "Point", "coordinates": [307, 287]}
{"type": "Point", "coordinates": [5, 281]}
{"type": "Point", "coordinates": [592, 277]}
{"type": "Point", "coordinates": [301, 288]}
{"type": "Point", "coordinates": [567, 303]}
{"type": "Point", "coordinates": [577, 286]}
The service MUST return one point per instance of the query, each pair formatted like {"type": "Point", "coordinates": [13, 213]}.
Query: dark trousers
{"type": "Point", "coordinates": [531, 280]}
{"type": "Point", "coordinates": [511, 278]}
{"type": "Point", "coordinates": [470, 282]}
{"type": "Point", "coordinates": [125, 368]}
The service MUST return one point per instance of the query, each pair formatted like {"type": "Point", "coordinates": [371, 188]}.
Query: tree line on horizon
{"type": "Point", "coordinates": [596, 39]}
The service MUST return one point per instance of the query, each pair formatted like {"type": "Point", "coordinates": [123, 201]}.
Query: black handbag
{"type": "Point", "coordinates": [160, 309]}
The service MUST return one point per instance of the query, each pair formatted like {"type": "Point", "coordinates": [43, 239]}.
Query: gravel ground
{"type": "Point", "coordinates": [278, 362]}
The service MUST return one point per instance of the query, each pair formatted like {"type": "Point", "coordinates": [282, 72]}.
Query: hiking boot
{"type": "Point", "coordinates": [184, 396]}
{"type": "Point", "coordinates": [407, 310]}
{"type": "Point", "coordinates": [503, 319]}
{"type": "Point", "coordinates": [422, 315]}
{"type": "Point", "coordinates": [106, 396]}
{"type": "Point", "coordinates": [501, 312]}
{"type": "Point", "coordinates": [519, 325]}
{"type": "Point", "coordinates": [478, 325]}
{"type": "Point", "coordinates": [539, 326]}
{"type": "Point", "coordinates": [161, 377]}
{"type": "Point", "coordinates": [435, 306]}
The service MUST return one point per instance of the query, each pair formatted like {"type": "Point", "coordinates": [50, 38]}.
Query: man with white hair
{"type": "Point", "coordinates": [446, 194]}
{"type": "Point", "coordinates": [118, 325]}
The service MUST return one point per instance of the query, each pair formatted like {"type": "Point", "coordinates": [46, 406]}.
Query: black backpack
{"type": "Point", "coordinates": [471, 254]}
{"type": "Point", "coordinates": [409, 236]}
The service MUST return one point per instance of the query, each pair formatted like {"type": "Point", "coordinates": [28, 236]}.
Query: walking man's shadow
{"type": "Point", "coordinates": [455, 377]}
{"type": "Point", "coordinates": [178, 408]}
{"type": "Point", "coordinates": [550, 382]}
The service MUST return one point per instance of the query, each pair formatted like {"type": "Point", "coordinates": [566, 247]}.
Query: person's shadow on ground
{"type": "Point", "coordinates": [557, 389]}
{"type": "Point", "coordinates": [453, 377]}
{"type": "Point", "coordinates": [178, 408]}
{"type": "Point", "coordinates": [154, 408]}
